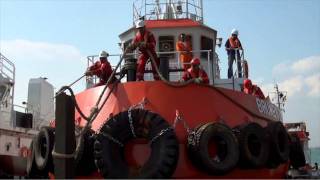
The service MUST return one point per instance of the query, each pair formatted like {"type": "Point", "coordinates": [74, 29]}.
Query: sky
{"type": "Point", "coordinates": [281, 39]}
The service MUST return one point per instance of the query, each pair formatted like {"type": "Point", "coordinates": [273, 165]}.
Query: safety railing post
{"type": "Point", "coordinates": [164, 67]}
{"type": "Point", "coordinates": [209, 67]}
{"type": "Point", "coordinates": [131, 68]}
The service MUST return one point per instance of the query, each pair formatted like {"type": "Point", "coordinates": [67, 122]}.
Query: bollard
{"type": "Point", "coordinates": [131, 67]}
{"type": "Point", "coordinates": [65, 143]}
{"type": "Point", "coordinates": [164, 67]}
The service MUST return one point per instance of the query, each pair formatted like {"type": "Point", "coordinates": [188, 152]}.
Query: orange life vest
{"type": "Point", "coordinates": [234, 43]}
{"type": "Point", "coordinates": [185, 48]}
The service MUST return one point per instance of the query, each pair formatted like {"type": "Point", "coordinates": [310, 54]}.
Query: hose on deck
{"type": "Point", "coordinates": [174, 84]}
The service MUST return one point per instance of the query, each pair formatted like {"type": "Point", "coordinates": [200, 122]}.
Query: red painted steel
{"type": "Point", "coordinates": [199, 104]}
{"type": "Point", "coordinates": [171, 23]}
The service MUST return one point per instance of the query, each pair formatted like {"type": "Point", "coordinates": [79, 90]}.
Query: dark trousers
{"type": "Point", "coordinates": [231, 59]}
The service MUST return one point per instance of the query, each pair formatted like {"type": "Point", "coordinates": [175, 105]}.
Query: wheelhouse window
{"type": "Point", "coordinates": [206, 44]}
{"type": "Point", "coordinates": [166, 44]}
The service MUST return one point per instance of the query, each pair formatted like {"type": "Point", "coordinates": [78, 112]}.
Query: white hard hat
{"type": "Point", "coordinates": [103, 54]}
{"type": "Point", "coordinates": [139, 23]}
{"type": "Point", "coordinates": [234, 31]}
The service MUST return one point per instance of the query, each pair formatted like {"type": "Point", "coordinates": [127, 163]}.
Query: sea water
{"type": "Point", "coordinates": [315, 155]}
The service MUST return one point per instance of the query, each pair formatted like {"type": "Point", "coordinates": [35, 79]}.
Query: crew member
{"type": "Point", "coordinates": [254, 90]}
{"type": "Point", "coordinates": [101, 69]}
{"type": "Point", "coordinates": [185, 48]}
{"type": "Point", "coordinates": [144, 41]}
{"type": "Point", "coordinates": [233, 45]}
{"type": "Point", "coordinates": [196, 73]}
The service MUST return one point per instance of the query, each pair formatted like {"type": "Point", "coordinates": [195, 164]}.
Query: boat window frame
{"type": "Point", "coordinates": [205, 55]}
{"type": "Point", "coordinates": [171, 55]}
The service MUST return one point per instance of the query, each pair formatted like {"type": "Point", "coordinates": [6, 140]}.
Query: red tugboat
{"type": "Point", "coordinates": [168, 128]}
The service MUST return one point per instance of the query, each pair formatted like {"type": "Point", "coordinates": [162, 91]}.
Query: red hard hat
{"type": "Point", "coordinates": [195, 61]}
{"type": "Point", "coordinates": [247, 83]}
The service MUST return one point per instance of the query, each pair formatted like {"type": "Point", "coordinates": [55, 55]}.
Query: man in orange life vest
{"type": "Point", "coordinates": [254, 90]}
{"type": "Point", "coordinates": [144, 41]}
{"type": "Point", "coordinates": [185, 48]}
{"type": "Point", "coordinates": [196, 73]}
{"type": "Point", "coordinates": [101, 68]}
{"type": "Point", "coordinates": [233, 43]}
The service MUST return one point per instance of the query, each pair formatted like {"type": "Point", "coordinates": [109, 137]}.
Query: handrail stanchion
{"type": "Point", "coordinates": [209, 67]}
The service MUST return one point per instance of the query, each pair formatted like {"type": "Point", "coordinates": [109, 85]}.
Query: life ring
{"type": "Point", "coordinates": [279, 141]}
{"type": "Point", "coordinates": [297, 157]}
{"type": "Point", "coordinates": [215, 148]}
{"type": "Point", "coordinates": [245, 69]}
{"type": "Point", "coordinates": [253, 145]}
{"type": "Point", "coordinates": [109, 155]}
{"type": "Point", "coordinates": [43, 149]}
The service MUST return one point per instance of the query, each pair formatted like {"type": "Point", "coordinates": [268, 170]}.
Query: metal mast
{"type": "Point", "coordinates": [280, 97]}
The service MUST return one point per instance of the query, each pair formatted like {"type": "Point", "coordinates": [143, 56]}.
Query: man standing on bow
{"type": "Point", "coordinates": [233, 45]}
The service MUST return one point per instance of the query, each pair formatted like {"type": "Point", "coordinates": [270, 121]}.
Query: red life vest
{"type": "Point", "coordinates": [102, 69]}
{"type": "Point", "coordinates": [234, 43]}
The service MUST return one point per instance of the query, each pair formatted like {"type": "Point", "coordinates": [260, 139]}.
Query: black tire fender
{"type": "Point", "coordinates": [279, 141]}
{"type": "Point", "coordinates": [85, 159]}
{"type": "Point", "coordinates": [253, 145]}
{"type": "Point", "coordinates": [32, 170]}
{"type": "Point", "coordinates": [297, 157]}
{"type": "Point", "coordinates": [109, 156]}
{"type": "Point", "coordinates": [43, 149]}
{"type": "Point", "coordinates": [31, 164]}
{"type": "Point", "coordinates": [226, 145]}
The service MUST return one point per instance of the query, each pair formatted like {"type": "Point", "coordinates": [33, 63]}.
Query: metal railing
{"type": "Point", "coordinates": [8, 71]}
{"type": "Point", "coordinates": [175, 66]}
{"type": "Point", "coordinates": [162, 9]}
{"type": "Point", "coordinates": [235, 68]}
{"type": "Point", "coordinates": [7, 68]}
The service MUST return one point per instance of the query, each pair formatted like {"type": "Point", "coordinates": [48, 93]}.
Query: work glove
{"type": "Point", "coordinates": [198, 80]}
{"type": "Point", "coordinates": [88, 73]}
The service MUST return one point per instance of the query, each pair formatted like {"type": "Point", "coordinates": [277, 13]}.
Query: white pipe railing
{"type": "Point", "coordinates": [151, 10]}
{"type": "Point", "coordinates": [210, 63]}
{"type": "Point", "coordinates": [8, 70]}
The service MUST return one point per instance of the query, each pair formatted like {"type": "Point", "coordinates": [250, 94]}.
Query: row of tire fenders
{"type": "Point", "coordinates": [213, 148]}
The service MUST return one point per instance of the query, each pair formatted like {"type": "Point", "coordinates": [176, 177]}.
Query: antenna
{"type": "Point", "coordinates": [280, 97]}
